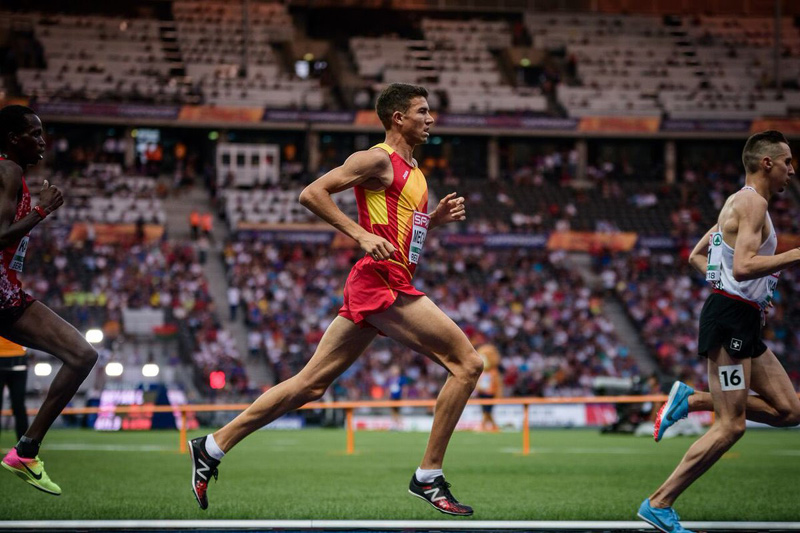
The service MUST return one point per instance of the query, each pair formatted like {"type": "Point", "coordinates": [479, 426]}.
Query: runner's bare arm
{"type": "Point", "coordinates": [450, 209]}
{"type": "Point", "coordinates": [747, 264]}
{"type": "Point", "coordinates": [10, 183]}
{"type": "Point", "coordinates": [370, 168]}
{"type": "Point", "coordinates": [699, 256]}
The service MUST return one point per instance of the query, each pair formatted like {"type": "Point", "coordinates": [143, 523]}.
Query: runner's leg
{"type": "Point", "coordinates": [419, 324]}
{"type": "Point", "coordinates": [42, 329]}
{"type": "Point", "coordinates": [341, 345]}
{"type": "Point", "coordinates": [776, 404]}
{"type": "Point", "coordinates": [728, 427]}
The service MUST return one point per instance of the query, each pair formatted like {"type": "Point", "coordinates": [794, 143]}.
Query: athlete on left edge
{"type": "Point", "coordinates": [23, 319]}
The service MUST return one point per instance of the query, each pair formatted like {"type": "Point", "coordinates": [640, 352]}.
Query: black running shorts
{"type": "Point", "coordinates": [733, 324]}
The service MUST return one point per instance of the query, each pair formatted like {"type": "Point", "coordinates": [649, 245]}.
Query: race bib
{"type": "Point", "coordinates": [772, 284]}
{"type": "Point", "coordinates": [418, 234]}
{"type": "Point", "coordinates": [714, 257]}
{"type": "Point", "coordinates": [19, 256]}
{"type": "Point", "coordinates": [731, 377]}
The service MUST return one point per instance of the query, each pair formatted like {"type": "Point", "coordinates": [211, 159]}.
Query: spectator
{"type": "Point", "coordinates": [234, 301]}
{"type": "Point", "coordinates": [194, 223]}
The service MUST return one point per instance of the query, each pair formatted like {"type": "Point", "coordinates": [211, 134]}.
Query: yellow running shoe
{"type": "Point", "coordinates": [30, 470]}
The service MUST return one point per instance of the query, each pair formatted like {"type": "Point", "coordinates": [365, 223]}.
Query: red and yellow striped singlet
{"type": "Point", "coordinates": [398, 213]}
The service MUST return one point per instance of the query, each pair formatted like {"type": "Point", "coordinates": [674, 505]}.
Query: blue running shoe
{"type": "Point", "coordinates": [677, 407]}
{"type": "Point", "coordinates": [666, 519]}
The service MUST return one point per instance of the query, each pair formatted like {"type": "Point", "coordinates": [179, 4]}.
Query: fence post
{"type": "Point", "coordinates": [183, 446]}
{"type": "Point", "coordinates": [526, 430]}
{"type": "Point", "coordinates": [351, 445]}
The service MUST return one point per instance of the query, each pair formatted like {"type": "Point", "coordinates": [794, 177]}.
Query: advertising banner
{"type": "Point", "coordinates": [787, 126]}
{"type": "Point", "coordinates": [205, 113]}
{"type": "Point", "coordinates": [116, 233]}
{"type": "Point", "coordinates": [295, 233]}
{"type": "Point", "coordinates": [507, 121]}
{"type": "Point", "coordinates": [83, 109]}
{"type": "Point", "coordinates": [506, 417]}
{"type": "Point", "coordinates": [786, 242]}
{"type": "Point", "coordinates": [619, 124]}
{"type": "Point", "coordinates": [292, 115]}
{"type": "Point", "coordinates": [495, 240]}
{"type": "Point", "coordinates": [585, 241]}
{"type": "Point", "coordinates": [700, 126]}
{"type": "Point", "coordinates": [367, 118]}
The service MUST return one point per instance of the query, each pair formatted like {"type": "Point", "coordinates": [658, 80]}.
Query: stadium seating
{"type": "Point", "coordinates": [688, 68]}
{"type": "Point", "coordinates": [703, 67]}
{"type": "Point", "coordinates": [213, 46]}
{"type": "Point", "coordinates": [455, 57]}
{"type": "Point", "coordinates": [275, 206]}
{"type": "Point", "coordinates": [101, 194]}
{"type": "Point", "coordinates": [94, 285]}
{"type": "Point", "coordinates": [99, 58]}
{"type": "Point", "coordinates": [113, 59]}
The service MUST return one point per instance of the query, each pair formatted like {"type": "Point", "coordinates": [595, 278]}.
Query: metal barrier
{"type": "Point", "coordinates": [350, 406]}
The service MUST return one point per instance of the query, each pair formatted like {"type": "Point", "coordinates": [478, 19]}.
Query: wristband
{"type": "Point", "coordinates": [40, 211]}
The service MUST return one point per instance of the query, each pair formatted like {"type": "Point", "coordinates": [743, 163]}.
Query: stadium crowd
{"type": "Point", "coordinates": [547, 323]}
{"type": "Point", "coordinates": [664, 297]}
{"type": "Point", "coordinates": [91, 284]}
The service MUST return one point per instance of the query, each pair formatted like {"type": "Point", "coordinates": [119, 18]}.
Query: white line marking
{"type": "Point", "coordinates": [383, 525]}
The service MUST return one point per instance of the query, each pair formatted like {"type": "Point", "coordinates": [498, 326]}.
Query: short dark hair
{"type": "Point", "coordinates": [12, 120]}
{"type": "Point", "coordinates": [759, 145]}
{"type": "Point", "coordinates": [397, 97]}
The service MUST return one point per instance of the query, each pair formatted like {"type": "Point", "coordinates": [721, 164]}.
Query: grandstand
{"type": "Point", "coordinates": [593, 145]}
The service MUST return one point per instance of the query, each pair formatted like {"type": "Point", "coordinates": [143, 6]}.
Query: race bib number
{"type": "Point", "coordinates": [772, 283]}
{"type": "Point", "coordinates": [731, 377]}
{"type": "Point", "coordinates": [418, 234]}
{"type": "Point", "coordinates": [19, 256]}
{"type": "Point", "coordinates": [714, 257]}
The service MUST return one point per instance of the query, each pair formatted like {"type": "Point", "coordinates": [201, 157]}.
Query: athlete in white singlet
{"type": "Point", "coordinates": [737, 255]}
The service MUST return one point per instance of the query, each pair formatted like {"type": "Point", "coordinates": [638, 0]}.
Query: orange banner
{"type": "Point", "coordinates": [116, 233]}
{"type": "Point", "coordinates": [787, 126]}
{"type": "Point", "coordinates": [786, 242]}
{"type": "Point", "coordinates": [205, 113]}
{"type": "Point", "coordinates": [620, 124]}
{"type": "Point", "coordinates": [340, 240]}
{"type": "Point", "coordinates": [585, 241]}
{"type": "Point", "coordinates": [13, 101]}
{"type": "Point", "coordinates": [368, 118]}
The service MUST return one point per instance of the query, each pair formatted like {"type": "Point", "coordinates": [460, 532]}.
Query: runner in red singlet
{"type": "Point", "coordinates": [24, 320]}
{"type": "Point", "coordinates": [393, 221]}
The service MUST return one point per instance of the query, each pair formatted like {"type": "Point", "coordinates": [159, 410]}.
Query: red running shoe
{"type": "Point", "coordinates": [438, 494]}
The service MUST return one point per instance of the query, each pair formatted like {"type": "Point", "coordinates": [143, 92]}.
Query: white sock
{"type": "Point", "coordinates": [213, 450]}
{"type": "Point", "coordinates": [427, 476]}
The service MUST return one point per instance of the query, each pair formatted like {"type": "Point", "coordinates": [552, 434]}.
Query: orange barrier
{"type": "Point", "coordinates": [350, 406]}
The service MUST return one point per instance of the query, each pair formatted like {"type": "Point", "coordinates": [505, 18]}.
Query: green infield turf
{"type": "Point", "coordinates": [570, 475]}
